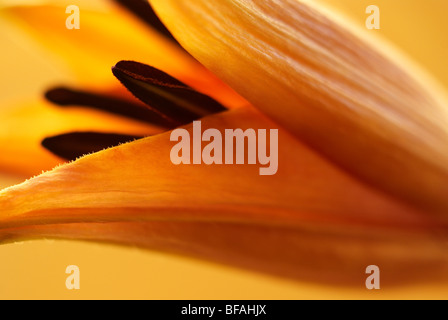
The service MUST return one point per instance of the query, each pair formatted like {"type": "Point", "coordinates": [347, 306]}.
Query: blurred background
{"type": "Point", "coordinates": [36, 269]}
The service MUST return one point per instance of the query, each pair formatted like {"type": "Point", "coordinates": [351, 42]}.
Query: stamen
{"type": "Point", "coordinates": [71, 146]}
{"type": "Point", "coordinates": [69, 97]}
{"type": "Point", "coordinates": [164, 93]}
{"type": "Point", "coordinates": [145, 12]}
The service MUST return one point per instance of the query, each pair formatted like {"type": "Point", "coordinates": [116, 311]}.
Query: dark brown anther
{"type": "Point", "coordinates": [69, 97]}
{"type": "Point", "coordinates": [71, 146]}
{"type": "Point", "coordinates": [165, 94]}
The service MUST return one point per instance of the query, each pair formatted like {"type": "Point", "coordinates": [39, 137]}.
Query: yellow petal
{"type": "Point", "coordinates": [106, 37]}
{"type": "Point", "coordinates": [301, 222]}
{"type": "Point", "coordinates": [24, 127]}
{"type": "Point", "coordinates": [345, 98]}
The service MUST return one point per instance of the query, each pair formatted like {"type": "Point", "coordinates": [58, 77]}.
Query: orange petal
{"type": "Point", "coordinates": [340, 95]}
{"type": "Point", "coordinates": [308, 209]}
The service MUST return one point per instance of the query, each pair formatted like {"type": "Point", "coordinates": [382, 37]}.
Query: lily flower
{"type": "Point", "coordinates": [363, 164]}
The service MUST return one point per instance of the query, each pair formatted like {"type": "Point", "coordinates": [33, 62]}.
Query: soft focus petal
{"type": "Point", "coordinates": [24, 127]}
{"type": "Point", "coordinates": [310, 253]}
{"type": "Point", "coordinates": [338, 94]}
{"type": "Point", "coordinates": [309, 220]}
{"type": "Point", "coordinates": [106, 37]}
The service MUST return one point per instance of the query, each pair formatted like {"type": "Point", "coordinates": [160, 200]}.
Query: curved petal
{"type": "Point", "coordinates": [308, 253]}
{"type": "Point", "coordinates": [344, 97]}
{"type": "Point", "coordinates": [309, 207]}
